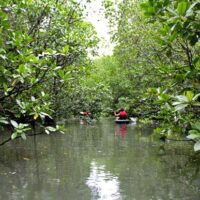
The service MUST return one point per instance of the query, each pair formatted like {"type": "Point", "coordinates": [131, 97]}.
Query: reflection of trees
{"type": "Point", "coordinates": [59, 165]}
{"type": "Point", "coordinates": [145, 172]}
{"type": "Point", "coordinates": [15, 161]}
{"type": "Point", "coordinates": [186, 163]}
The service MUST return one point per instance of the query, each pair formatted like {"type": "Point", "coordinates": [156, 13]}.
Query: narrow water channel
{"type": "Point", "coordinates": [106, 161]}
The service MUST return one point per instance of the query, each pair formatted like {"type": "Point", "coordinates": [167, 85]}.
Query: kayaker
{"type": "Point", "coordinates": [86, 118]}
{"type": "Point", "coordinates": [121, 114]}
{"type": "Point", "coordinates": [85, 113]}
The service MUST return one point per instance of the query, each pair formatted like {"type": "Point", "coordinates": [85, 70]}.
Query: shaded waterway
{"type": "Point", "coordinates": [101, 162]}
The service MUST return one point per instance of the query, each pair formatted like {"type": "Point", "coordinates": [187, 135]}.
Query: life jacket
{"type": "Point", "coordinates": [85, 113]}
{"type": "Point", "coordinates": [122, 114]}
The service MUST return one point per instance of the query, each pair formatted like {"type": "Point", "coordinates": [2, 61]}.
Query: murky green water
{"type": "Point", "coordinates": [104, 162]}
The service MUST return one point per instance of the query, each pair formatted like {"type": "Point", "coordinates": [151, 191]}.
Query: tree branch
{"type": "Point", "coordinates": [9, 139]}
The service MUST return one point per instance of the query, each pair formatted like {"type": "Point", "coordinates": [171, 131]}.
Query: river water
{"type": "Point", "coordinates": [106, 161]}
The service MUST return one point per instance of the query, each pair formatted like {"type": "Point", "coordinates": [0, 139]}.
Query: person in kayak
{"type": "Point", "coordinates": [121, 114]}
{"type": "Point", "coordinates": [85, 114]}
{"type": "Point", "coordinates": [85, 118]}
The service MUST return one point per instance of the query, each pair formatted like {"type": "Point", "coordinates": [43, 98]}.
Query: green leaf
{"type": "Point", "coordinates": [50, 128]}
{"type": "Point", "coordinates": [3, 121]}
{"type": "Point", "coordinates": [35, 116]}
{"type": "Point", "coordinates": [57, 68]}
{"type": "Point", "coordinates": [182, 98]}
{"type": "Point", "coordinates": [196, 97]}
{"type": "Point", "coordinates": [5, 86]}
{"type": "Point", "coordinates": [173, 12]}
{"type": "Point", "coordinates": [42, 93]}
{"type": "Point", "coordinates": [2, 50]}
{"type": "Point", "coordinates": [3, 80]}
{"type": "Point", "coordinates": [65, 49]}
{"type": "Point", "coordinates": [196, 60]}
{"type": "Point", "coordinates": [180, 107]}
{"type": "Point", "coordinates": [45, 114]}
{"type": "Point", "coordinates": [190, 9]}
{"type": "Point", "coordinates": [33, 98]}
{"type": "Point", "coordinates": [3, 57]}
{"type": "Point", "coordinates": [21, 69]}
{"type": "Point", "coordinates": [34, 80]}
{"type": "Point", "coordinates": [189, 95]}
{"type": "Point", "coordinates": [192, 136]}
{"type": "Point", "coordinates": [196, 126]}
{"type": "Point", "coordinates": [47, 131]}
{"type": "Point", "coordinates": [182, 7]}
{"type": "Point", "coordinates": [196, 104]}
{"type": "Point", "coordinates": [176, 103]}
{"type": "Point", "coordinates": [14, 135]}
{"type": "Point", "coordinates": [14, 123]}
{"type": "Point", "coordinates": [197, 146]}
{"type": "Point", "coordinates": [23, 135]}
{"type": "Point", "coordinates": [61, 73]}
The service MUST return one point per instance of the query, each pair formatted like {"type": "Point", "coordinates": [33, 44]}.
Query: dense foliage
{"type": "Point", "coordinates": [153, 73]}
{"type": "Point", "coordinates": [158, 50]}
{"type": "Point", "coordinates": [179, 33]}
{"type": "Point", "coordinates": [44, 47]}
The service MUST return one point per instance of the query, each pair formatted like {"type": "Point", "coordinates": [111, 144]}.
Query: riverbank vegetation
{"type": "Point", "coordinates": [43, 53]}
{"type": "Point", "coordinates": [159, 54]}
{"type": "Point", "coordinates": [154, 72]}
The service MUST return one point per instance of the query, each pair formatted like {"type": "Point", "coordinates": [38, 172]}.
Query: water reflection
{"type": "Point", "coordinates": [91, 163]}
{"type": "Point", "coordinates": [103, 185]}
{"type": "Point", "coordinates": [121, 130]}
